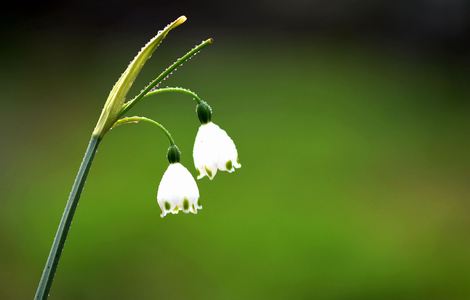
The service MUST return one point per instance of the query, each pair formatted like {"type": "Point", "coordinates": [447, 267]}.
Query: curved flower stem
{"type": "Point", "coordinates": [165, 74]}
{"type": "Point", "coordinates": [162, 91]}
{"type": "Point", "coordinates": [47, 276]}
{"type": "Point", "coordinates": [134, 120]}
{"type": "Point", "coordinates": [174, 90]}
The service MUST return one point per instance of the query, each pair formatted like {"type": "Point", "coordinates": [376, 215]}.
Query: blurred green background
{"type": "Point", "coordinates": [354, 185]}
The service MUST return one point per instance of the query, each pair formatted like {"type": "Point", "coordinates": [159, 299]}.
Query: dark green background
{"type": "Point", "coordinates": [354, 182]}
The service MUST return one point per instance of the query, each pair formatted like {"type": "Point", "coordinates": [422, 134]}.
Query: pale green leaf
{"type": "Point", "coordinates": [118, 94]}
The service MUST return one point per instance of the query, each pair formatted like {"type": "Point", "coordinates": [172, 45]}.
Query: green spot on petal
{"type": "Point", "coordinates": [199, 202]}
{"type": "Point", "coordinates": [208, 171]}
{"type": "Point", "coordinates": [167, 206]}
{"type": "Point", "coordinates": [186, 204]}
{"type": "Point", "coordinates": [229, 165]}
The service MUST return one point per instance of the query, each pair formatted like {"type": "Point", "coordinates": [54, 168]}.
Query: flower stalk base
{"type": "Point", "coordinates": [47, 276]}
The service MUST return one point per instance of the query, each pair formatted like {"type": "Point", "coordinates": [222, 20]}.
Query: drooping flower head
{"type": "Point", "coordinates": [213, 148]}
{"type": "Point", "coordinates": [177, 190]}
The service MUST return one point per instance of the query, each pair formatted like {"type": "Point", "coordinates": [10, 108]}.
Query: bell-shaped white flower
{"type": "Point", "coordinates": [178, 191]}
{"type": "Point", "coordinates": [214, 150]}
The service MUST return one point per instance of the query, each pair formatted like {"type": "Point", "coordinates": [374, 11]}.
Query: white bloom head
{"type": "Point", "coordinates": [178, 190]}
{"type": "Point", "coordinates": [213, 149]}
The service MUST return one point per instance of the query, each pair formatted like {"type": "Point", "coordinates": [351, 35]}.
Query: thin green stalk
{"type": "Point", "coordinates": [131, 120]}
{"type": "Point", "coordinates": [47, 276]}
{"type": "Point", "coordinates": [165, 74]}
{"type": "Point", "coordinates": [179, 90]}
{"type": "Point", "coordinates": [174, 90]}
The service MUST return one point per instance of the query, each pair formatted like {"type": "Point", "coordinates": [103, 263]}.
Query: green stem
{"type": "Point", "coordinates": [131, 120]}
{"type": "Point", "coordinates": [175, 90]}
{"type": "Point", "coordinates": [47, 276]}
{"type": "Point", "coordinates": [165, 74]}
{"type": "Point", "coordinates": [179, 90]}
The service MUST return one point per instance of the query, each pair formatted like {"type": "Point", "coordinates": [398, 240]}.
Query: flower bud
{"type": "Point", "coordinates": [174, 154]}
{"type": "Point", "coordinates": [204, 112]}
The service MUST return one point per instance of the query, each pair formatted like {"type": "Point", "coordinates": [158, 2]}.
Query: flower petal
{"type": "Point", "coordinates": [214, 150]}
{"type": "Point", "coordinates": [177, 191]}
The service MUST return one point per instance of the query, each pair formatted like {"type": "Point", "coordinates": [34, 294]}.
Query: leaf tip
{"type": "Point", "coordinates": [181, 20]}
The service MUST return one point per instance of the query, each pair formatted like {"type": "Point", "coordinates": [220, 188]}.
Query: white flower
{"type": "Point", "coordinates": [214, 150]}
{"type": "Point", "coordinates": [178, 191]}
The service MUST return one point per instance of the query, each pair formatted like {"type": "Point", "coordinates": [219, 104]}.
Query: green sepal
{"type": "Point", "coordinates": [174, 154]}
{"type": "Point", "coordinates": [204, 112]}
